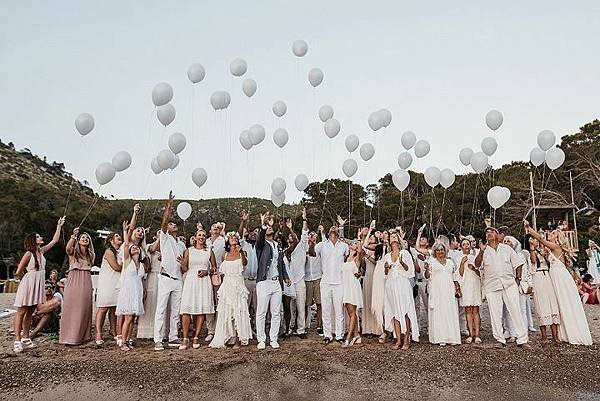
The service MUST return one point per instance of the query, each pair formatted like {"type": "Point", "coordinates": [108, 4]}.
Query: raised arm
{"type": "Point", "coordinates": [479, 258]}
{"type": "Point", "coordinates": [292, 246]}
{"type": "Point", "coordinates": [126, 243]}
{"type": "Point", "coordinates": [553, 246]}
{"type": "Point", "coordinates": [155, 246]}
{"type": "Point", "coordinates": [56, 236]}
{"type": "Point", "coordinates": [167, 213]}
{"type": "Point", "coordinates": [304, 220]}
{"type": "Point", "coordinates": [132, 222]}
{"type": "Point", "coordinates": [70, 248]}
{"type": "Point", "coordinates": [243, 222]}
{"type": "Point", "coordinates": [341, 223]}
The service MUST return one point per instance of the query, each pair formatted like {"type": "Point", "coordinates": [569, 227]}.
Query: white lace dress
{"type": "Point", "coordinates": [399, 301]}
{"type": "Point", "coordinates": [233, 317]}
{"type": "Point", "coordinates": [131, 293]}
{"type": "Point", "coordinates": [443, 308]}
{"type": "Point", "coordinates": [197, 293]}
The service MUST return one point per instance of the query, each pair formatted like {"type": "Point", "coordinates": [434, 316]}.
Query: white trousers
{"type": "Point", "coordinates": [268, 296]}
{"type": "Point", "coordinates": [300, 303]}
{"type": "Point", "coordinates": [168, 290]}
{"type": "Point", "coordinates": [508, 297]}
{"type": "Point", "coordinates": [332, 296]}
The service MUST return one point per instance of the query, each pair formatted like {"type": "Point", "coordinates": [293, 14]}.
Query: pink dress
{"type": "Point", "coordinates": [31, 287]}
{"type": "Point", "coordinates": [76, 319]}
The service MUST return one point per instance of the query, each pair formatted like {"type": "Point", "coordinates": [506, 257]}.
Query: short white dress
{"type": "Point", "coordinates": [399, 301]}
{"type": "Point", "coordinates": [107, 293]}
{"type": "Point", "coordinates": [544, 297]}
{"type": "Point", "coordinates": [470, 283]}
{"type": "Point", "coordinates": [351, 285]}
{"type": "Point", "coordinates": [197, 293]}
{"type": "Point", "coordinates": [131, 293]}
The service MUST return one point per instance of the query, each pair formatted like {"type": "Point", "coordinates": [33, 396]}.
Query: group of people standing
{"type": "Point", "coordinates": [240, 284]}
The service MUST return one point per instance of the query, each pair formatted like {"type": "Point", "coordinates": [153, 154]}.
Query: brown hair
{"type": "Point", "coordinates": [30, 245]}
{"type": "Point", "coordinates": [108, 243]}
{"type": "Point", "coordinates": [90, 249]}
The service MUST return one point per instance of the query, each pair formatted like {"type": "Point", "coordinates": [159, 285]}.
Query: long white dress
{"type": "Point", "coordinates": [233, 317]}
{"type": "Point", "coordinates": [197, 292]}
{"type": "Point", "coordinates": [574, 327]}
{"type": "Point", "coordinates": [399, 301]}
{"type": "Point", "coordinates": [145, 328]}
{"type": "Point", "coordinates": [442, 306]}
{"type": "Point", "coordinates": [593, 266]}
{"type": "Point", "coordinates": [370, 324]}
{"type": "Point", "coordinates": [470, 284]}
{"type": "Point", "coordinates": [351, 285]}
{"type": "Point", "coordinates": [131, 293]}
{"type": "Point", "coordinates": [544, 297]}
{"type": "Point", "coordinates": [107, 292]}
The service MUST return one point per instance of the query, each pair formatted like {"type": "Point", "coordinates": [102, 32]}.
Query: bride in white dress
{"type": "Point", "coordinates": [573, 327]}
{"type": "Point", "coordinates": [233, 318]}
{"type": "Point", "coordinates": [444, 327]}
{"type": "Point", "coordinates": [399, 311]}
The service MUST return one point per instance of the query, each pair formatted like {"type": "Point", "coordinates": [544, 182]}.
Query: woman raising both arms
{"type": "Point", "coordinates": [32, 269]}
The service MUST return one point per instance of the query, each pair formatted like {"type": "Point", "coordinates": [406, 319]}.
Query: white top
{"type": "Point", "coordinates": [397, 270]}
{"type": "Point", "coordinates": [498, 266]}
{"type": "Point", "coordinates": [218, 249]}
{"type": "Point", "coordinates": [332, 258]}
{"type": "Point", "coordinates": [312, 270]}
{"type": "Point", "coordinates": [169, 251]}
{"type": "Point", "coordinates": [420, 275]}
{"type": "Point", "coordinates": [252, 265]}
{"type": "Point", "coordinates": [455, 255]}
{"type": "Point", "coordinates": [273, 272]}
{"type": "Point", "coordinates": [298, 259]}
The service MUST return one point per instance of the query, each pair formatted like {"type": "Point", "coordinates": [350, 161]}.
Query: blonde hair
{"type": "Point", "coordinates": [565, 246]}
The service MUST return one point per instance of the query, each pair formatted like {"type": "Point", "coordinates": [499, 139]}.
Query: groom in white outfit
{"type": "Point", "coordinates": [270, 276]}
{"type": "Point", "coordinates": [501, 267]}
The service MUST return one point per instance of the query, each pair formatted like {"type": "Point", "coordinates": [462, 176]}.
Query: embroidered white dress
{"type": "Point", "coordinates": [131, 293]}
{"type": "Point", "coordinates": [399, 301]}
{"type": "Point", "coordinates": [197, 293]}
{"type": "Point", "coordinates": [442, 306]}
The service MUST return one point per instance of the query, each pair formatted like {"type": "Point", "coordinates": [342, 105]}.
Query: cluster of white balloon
{"type": "Point", "coordinates": [479, 161]}
{"type": "Point", "coordinates": [421, 148]}
{"type": "Point", "coordinates": [544, 152]}
{"type": "Point", "coordinates": [168, 159]}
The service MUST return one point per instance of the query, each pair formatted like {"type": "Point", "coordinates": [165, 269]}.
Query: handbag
{"type": "Point", "coordinates": [215, 279]}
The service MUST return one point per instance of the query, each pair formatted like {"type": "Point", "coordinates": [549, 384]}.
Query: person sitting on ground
{"type": "Point", "coordinates": [590, 293]}
{"type": "Point", "coordinates": [46, 317]}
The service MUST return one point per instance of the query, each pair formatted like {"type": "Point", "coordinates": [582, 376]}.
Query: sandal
{"type": "Point", "coordinates": [27, 343]}
{"type": "Point", "coordinates": [119, 339]}
{"type": "Point", "coordinates": [17, 347]}
{"type": "Point", "coordinates": [124, 347]}
{"type": "Point", "coordinates": [195, 343]}
{"type": "Point", "coordinates": [184, 344]}
{"type": "Point", "coordinates": [99, 342]}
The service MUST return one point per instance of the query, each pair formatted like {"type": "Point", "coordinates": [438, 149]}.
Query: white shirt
{"type": "Point", "coordinates": [498, 266]}
{"type": "Point", "coordinates": [273, 271]}
{"type": "Point", "coordinates": [313, 270]}
{"type": "Point", "coordinates": [298, 259]}
{"type": "Point", "coordinates": [455, 255]}
{"type": "Point", "coordinates": [250, 271]}
{"type": "Point", "coordinates": [170, 250]}
{"type": "Point", "coordinates": [218, 249]}
{"type": "Point", "coordinates": [332, 258]}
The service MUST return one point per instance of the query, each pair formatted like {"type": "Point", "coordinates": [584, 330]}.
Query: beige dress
{"type": "Point", "coordinates": [370, 324]}
{"type": "Point", "coordinates": [145, 327]}
{"type": "Point", "coordinates": [76, 318]}
{"type": "Point", "coordinates": [31, 287]}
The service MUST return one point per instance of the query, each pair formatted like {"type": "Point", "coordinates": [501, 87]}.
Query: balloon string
{"type": "Point", "coordinates": [96, 197]}
{"type": "Point", "coordinates": [81, 148]}
{"type": "Point", "coordinates": [412, 227]}
{"type": "Point", "coordinates": [474, 205]}
{"type": "Point", "coordinates": [437, 228]}
{"type": "Point", "coordinates": [462, 205]}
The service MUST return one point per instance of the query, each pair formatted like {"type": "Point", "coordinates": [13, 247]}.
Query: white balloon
{"type": "Point", "coordinates": [278, 199]}
{"type": "Point", "coordinates": [257, 134]}
{"type": "Point", "coordinates": [199, 176]}
{"type": "Point", "coordinates": [184, 210]}
{"type": "Point", "coordinates": [447, 178]}
{"type": "Point", "coordinates": [465, 155]}
{"type": "Point", "coordinates": [408, 140]}
{"type": "Point", "coordinates": [404, 160]}
{"type": "Point", "coordinates": [493, 119]}
{"type": "Point", "coordinates": [245, 140]}
{"type": "Point", "coordinates": [497, 196]}
{"type": "Point", "coordinates": [386, 116]}
{"type": "Point", "coordinates": [315, 77]}
{"type": "Point", "coordinates": [537, 156]}
{"type": "Point", "coordinates": [238, 67]}
{"type": "Point", "coordinates": [220, 100]}
{"type": "Point", "coordinates": [121, 161]}
{"type": "Point", "coordinates": [479, 162]}
{"type": "Point", "coordinates": [489, 145]}
{"type": "Point", "coordinates": [555, 158]}
{"type": "Point", "coordinates": [301, 182]}
{"type": "Point", "coordinates": [422, 148]}
{"type": "Point", "coordinates": [105, 172]}
{"type": "Point", "coordinates": [279, 108]}
{"type": "Point", "coordinates": [175, 162]}
{"type": "Point", "coordinates": [401, 179]}
{"type": "Point", "coordinates": [325, 112]}
{"type": "Point", "coordinates": [177, 142]}
{"type": "Point", "coordinates": [350, 167]}
{"type": "Point", "coordinates": [432, 176]}
{"type": "Point", "coordinates": [162, 94]}
{"type": "Point", "coordinates": [156, 169]}
{"type": "Point", "coordinates": [165, 159]}
{"type": "Point", "coordinates": [278, 186]}
{"type": "Point", "coordinates": [332, 127]}
{"type": "Point", "coordinates": [367, 151]}
{"type": "Point", "coordinates": [299, 48]}
{"type": "Point", "coordinates": [546, 139]}
{"type": "Point", "coordinates": [84, 123]}
{"type": "Point", "coordinates": [166, 114]}
{"type": "Point", "coordinates": [249, 87]}
{"type": "Point", "coordinates": [280, 137]}
{"type": "Point", "coordinates": [375, 121]}
{"type": "Point", "coordinates": [351, 143]}
{"type": "Point", "coordinates": [196, 73]}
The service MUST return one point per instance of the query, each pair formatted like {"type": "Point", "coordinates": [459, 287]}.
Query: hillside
{"type": "Point", "coordinates": [34, 194]}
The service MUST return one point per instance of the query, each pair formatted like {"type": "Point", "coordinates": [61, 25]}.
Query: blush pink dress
{"type": "Point", "coordinates": [31, 287]}
{"type": "Point", "coordinates": [76, 319]}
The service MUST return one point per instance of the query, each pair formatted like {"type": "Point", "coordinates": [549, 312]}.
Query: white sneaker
{"type": "Point", "coordinates": [261, 345]}
{"type": "Point", "coordinates": [274, 344]}
{"type": "Point", "coordinates": [209, 338]}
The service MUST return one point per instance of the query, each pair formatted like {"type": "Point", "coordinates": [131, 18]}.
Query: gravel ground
{"type": "Point", "coordinates": [302, 369]}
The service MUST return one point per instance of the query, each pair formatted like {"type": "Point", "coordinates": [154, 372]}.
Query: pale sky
{"type": "Point", "coordinates": [439, 67]}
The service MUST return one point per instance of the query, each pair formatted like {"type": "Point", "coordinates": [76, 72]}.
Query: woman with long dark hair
{"type": "Point", "coordinates": [76, 319]}
{"type": "Point", "coordinates": [107, 292]}
{"type": "Point", "coordinates": [32, 269]}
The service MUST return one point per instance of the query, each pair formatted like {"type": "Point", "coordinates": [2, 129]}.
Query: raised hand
{"type": "Point", "coordinates": [199, 226]}
{"type": "Point", "coordinates": [125, 225]}
{"type": "Point", "coordinates": [136, 208]}
{"type": "Point", "coordinates": [304, 214]}
{"type": "Point", "coordinates": [244, 215]}
{"type": "Point", "coordinates": [488, 222]}
{"type": "Point", "coordinates": [61, 222]}
{"type": "Point", "coordinates": [482, 246]}
{"type": "Point", "coordinates": [171, 197]}
{"type": "Point", "coordinates": [76, 231]}
{"type": "Point", "coordinates": [340, 221]}
{"type": "Point", "coordinates": [373, 224]}
{"type": "Point", "coordinates": [321, 228]}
